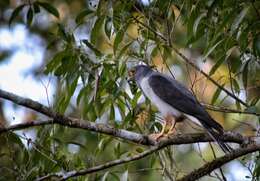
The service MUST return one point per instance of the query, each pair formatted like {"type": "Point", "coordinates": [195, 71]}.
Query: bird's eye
{"type": "Point", "coordinates": [131, 73]}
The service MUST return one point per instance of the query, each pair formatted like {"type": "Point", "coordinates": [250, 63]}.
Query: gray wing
{"type": "Point", "coordinates": [178, 96]}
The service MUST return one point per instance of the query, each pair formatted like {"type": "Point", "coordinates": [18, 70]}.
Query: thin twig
{"type": "Point", "coordinates": [228, 110]}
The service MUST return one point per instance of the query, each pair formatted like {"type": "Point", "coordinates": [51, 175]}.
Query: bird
{"type": "Point", "coordinates": [175, 102]}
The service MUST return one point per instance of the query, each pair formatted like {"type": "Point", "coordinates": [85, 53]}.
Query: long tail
{"type": "Point", "coordinates": [215, 136]}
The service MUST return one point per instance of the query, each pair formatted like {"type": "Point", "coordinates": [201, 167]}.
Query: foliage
{"type": "Point", "coordinates": [92, 75]}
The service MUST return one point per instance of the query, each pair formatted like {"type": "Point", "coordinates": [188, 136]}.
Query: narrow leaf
{"type": "Point", "coordinates": [108, 27]}
{"type": "Point", "coordinates": [211, 50]}
{"type": "Point", "coordinates": [36, 8]}
{"type": "Point", "coordinates": [112, 112]}
{"type": "Point", "coordinates": [217, 65]}
{"type": "Point", "coordinates": [82, 15]}
{"type": "Point", "coordinates": [245, 75]}
{"type": "Point", "coordinates": [197, 21]}
{"type": "Point", "coordinates": [124, 49]}
{"type": "Point", "coordinates": [238, 20]}
{"type": "Point", "coordinates": [118, 39]}
{"type": "Point", "coordinates": [15, 13]}
{"type": "Point", "coordinates": [29, 16]}
{"type": "Point", "coordinates": [104, 177]}
{"type": "Point", "coordinates": [48, 7]}
{"type": "Point", "coordinates": [124, 176]}
{"type": "Point", "coordinates": [96, 30]}
{"type": "Point", "coordinates": [216, 95]}
{"type": "Point", "coordinates": [90, 46]}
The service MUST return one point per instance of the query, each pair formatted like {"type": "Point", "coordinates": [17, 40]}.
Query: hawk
{"type": "Point", "coordinates": [174, 100]}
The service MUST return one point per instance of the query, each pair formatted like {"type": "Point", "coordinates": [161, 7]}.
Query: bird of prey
{"type": "Point", "coordinates": [174, 100]}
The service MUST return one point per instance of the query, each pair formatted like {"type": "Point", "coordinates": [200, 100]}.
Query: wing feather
{"type": "Point", "coordinates": [178, 96]}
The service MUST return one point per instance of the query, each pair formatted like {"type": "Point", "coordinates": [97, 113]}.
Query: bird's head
{"type": "Point", "coordinates": [139, 71]}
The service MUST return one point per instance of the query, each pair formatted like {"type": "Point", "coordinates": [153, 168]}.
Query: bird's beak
{"type": "Point", "coordinates": [131, 75]}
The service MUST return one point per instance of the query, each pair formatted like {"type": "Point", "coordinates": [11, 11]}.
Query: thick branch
{"type": "Point", "coordinates": [70, 174]}
{"type": "Point", "coordinates": [106, 129]}
{"type": "Point", "coordinates": [126, 135]}
{"type": "Point", "coordinates": [132, 136]}
{"type": "Point", "coordinates": [217, 163]}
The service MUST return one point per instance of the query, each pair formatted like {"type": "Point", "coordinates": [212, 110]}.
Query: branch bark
{"type": "Point", "coordinates": [74, 173]}
{"type": "Point", "coordinates": [192, 63]}
{"type": "Point", "coordinates": [106, 129]}
{"type": "Point", "coordinates": [128, 136]}
{"type": "Point", "coordinates": [217, 163]}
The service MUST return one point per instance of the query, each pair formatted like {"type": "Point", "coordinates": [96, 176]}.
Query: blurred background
{"type": "Point", "coordinates": [73, 56]}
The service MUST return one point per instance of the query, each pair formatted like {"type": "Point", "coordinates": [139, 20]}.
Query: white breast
{"type": "Point", "coordinates": [162, 106]}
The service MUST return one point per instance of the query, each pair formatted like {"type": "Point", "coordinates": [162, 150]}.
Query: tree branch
{"type": "Point", "coordinates": [208, 77]}
{"type": "Point", "coordinates": [126, 135]}
{"type": "Point", "coordinates": [106, 129]}
{"type": "Point", "coordinates": [74, 173]}
{"type": "Point", "coordinates": [192, 63]}
{"type": "Point", "coordinates": [228, 110]}
{"type": "Point", "coordinates": [217, 163]}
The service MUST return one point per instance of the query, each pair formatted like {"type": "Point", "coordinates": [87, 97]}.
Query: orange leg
{"type": "Point", "coordinates": [168, 121]}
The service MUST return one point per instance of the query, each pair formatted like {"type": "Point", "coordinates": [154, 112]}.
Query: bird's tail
{"type": "Point", "coordinates": [215, 135]}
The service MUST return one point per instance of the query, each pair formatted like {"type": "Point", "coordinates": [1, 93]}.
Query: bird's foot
{"type": "Point", "coordinates": [156, 136]}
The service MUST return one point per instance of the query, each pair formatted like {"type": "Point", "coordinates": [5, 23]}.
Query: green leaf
{"type": "Point", "coordinates": [62, 32]}
{"type": "Point", "coordinates": [245, 74]}
{"type": "Point", "coordinates": [64, 100]}
{"type": "Point", "coordinates": [216, 95]}
{"type": "Point", "coordinates": [238, 20]}
{"type": "Point", "coordinates": [235, 85]}
{"type": "Point", "coordinates": [90, 46]}
{"type": "Point", "coordinates": [124, 176]}
{"type": "Point", "coordinates": [124, 49]}
{"type": "Point", "coordinates": [55, 62]}
{"type": "Point", "coordinates": [80, 17]}
{"type": "Point", "coordinates": [197, 21]}
{"type": "Point", "coordinates": [112, 112]}
{"type": "Point", "coordinates": [251, 109]}
{"type": "Point", "coordinates": [238, 105]}
{"type": "Point", "coordinates": [217, 65]}
{"type": "Point", "coordinates": [254, 101]}
{"type": "Point", "coordinates": [256, 45]}
{"type": "Point", "coordinates": [36, 8]}
{"type": "Point", "coordinates": [108, 27]}
{"type": "Point", "coordinates": [211, 50]}
{"type": "Point", "coordinates": [15, 13]}
{"type": "Point", "coordinates": [80, 95]}
{"type": "Point", "coordinates": [104, 177]}
{"type": "Point", "coordinates": [29, 16]}
{"type": "Point", "coordinates": [95, 33]}
{"type": "Point", "coordinates": [48, 7]}
{"type": "Point", "coordinates": [139, 149]}
{"type": "Point", "coordinates": [118, 39]}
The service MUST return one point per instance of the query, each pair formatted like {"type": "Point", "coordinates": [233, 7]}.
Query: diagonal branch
{"type": "Point", "coordinates": [208, 77]}
{"type": "Point", "coordinates": [217, 163]}
{"type": "Point", "coordinates": [192, 63]}
{"type": "Point", "coordinates": [74, 173]}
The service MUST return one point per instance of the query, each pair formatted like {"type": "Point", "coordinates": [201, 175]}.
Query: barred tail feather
{"type": "Point", "coordinates": [215, 136]}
